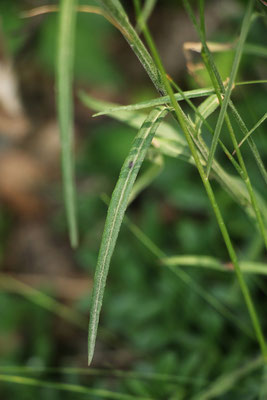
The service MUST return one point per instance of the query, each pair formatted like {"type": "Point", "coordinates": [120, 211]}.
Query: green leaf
{"type": "Point", "coordinates": [252, 130]}
{"type": "Point", "coordinates": [116, 211]}
{"type": "Point", "coordinates": [131, 118]}
{"type": "Point", "coordinates": [68, 387]}
{"type": "Point", "coordinates": [190, 94]}
{"type": "Point", "coordinates": [249, 267]}
{"type": "Point", "coordinates": [64, 75]}
{"type": "Point", "coordinates": [170, 142]}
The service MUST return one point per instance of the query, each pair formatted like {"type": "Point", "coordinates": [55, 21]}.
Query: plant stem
{"type": "Point", "coordinates": [184, 125]}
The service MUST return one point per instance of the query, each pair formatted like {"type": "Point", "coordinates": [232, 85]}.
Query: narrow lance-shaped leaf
{"type": "Point", "coordinates": [64, 74]}
{"type": "Point", "coordinates": [190, 94]}
{"type": "Point", "coordinates": [116, 211]}
{"type": "Point", "coordinates": [132, 118]}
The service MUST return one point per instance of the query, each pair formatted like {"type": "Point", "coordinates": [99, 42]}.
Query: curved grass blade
{"type": "Point", "coordinates": [64, 74]}
{"type": "Point", "coordinates": [68, 387]}
{"type": "Point", "coordinates": [116, 211]}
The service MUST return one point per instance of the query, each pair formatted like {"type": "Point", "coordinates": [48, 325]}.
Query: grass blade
{"type": "Point", "coordinates": [251, 142]}
{"type": "Point", "coordinates": [64, 73]}
{"type": "Point", "coordinates": [146, 12]}
{"type": "Point", "coordinates": [190, 94]}
{"type": "Point", "coordinates": [170, 142]}
{"type": "Point", "coordinates": [105, 372]}
{"type": "Point", "coordinates": [243, 35]}
{"type": "Point", "coordinates": [117, 208]}
{"type": "Point", "coordinates": [226, 382]}
{"type": "Point", "coordinates": [224, 231]}
{"type": "Point", "coordinates": [115, 10]}
{"type": "Point", "coordinates": [218, 86]}
{"type": "Point", "coordinates": [251, 131]}
{"type": "Point", "coordinates": [10, 284]}
{"type": "Point", "coordinates": [68, 387]}
{"type": "Point", "coordinates": [209, 298]}
{"type": "Point", "coordinates": [133, 119]}
{"type": "Point", "coordinates": [208, 262]}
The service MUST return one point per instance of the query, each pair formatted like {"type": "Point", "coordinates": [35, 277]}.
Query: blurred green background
{"type": "Point", "coordinates": [151, 322]}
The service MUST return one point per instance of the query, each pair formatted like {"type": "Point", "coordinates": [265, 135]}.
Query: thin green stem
{"type": "Point", "coordinates": [183, 275]}
{"type": "Point", "coordinates": [219, 87]}
{"type": "Point", "coordinates": [183, 123]}
{"type": "Point", "coordinates": [208, 126]}
{"type": "Point", "coordinates": [64, 72]}
{"type": "Point", "coordinates": [248, 183]}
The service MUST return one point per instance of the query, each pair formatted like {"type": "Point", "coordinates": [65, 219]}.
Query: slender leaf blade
{"type": "Point", "coordinates": [116, 211]}
{"type": "Point", "coordinates": [190, 94]}
{"type": "Point", "coordinates": [68, 387]}
{"type": "Point", "coordinates": [252, 130]}
{"type": "Point", "coordinates": [170, 142]}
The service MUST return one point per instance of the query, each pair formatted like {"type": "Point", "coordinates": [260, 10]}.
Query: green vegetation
{"type": "Point", "coordinates": [177, 303]}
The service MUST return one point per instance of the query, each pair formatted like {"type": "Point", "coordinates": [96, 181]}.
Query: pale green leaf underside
{"type": "Point", "coordinates": [116, 211]}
